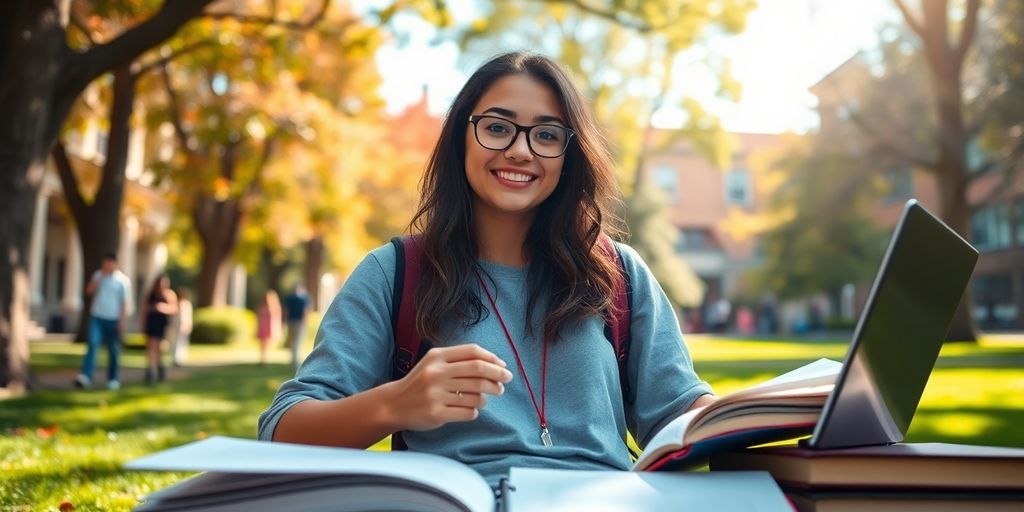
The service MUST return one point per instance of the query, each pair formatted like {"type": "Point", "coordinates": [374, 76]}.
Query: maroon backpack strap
{"type": "Point", "coordinates": [408, 344]}
{"type": "Point", "coordinates": [617, 324]}
{"type": "Point", "coordinates": [403, 305]}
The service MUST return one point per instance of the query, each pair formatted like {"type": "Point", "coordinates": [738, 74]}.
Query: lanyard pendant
{"type": "Point", "coordinates": [545, 437]}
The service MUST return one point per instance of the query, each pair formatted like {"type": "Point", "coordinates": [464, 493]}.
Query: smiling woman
{"type": "Point", "coordinates": [514, 281]}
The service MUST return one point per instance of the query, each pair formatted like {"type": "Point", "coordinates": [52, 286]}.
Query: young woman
{"type": "Point", "coordinates": [161, 304]}
{"type": "Point", "coordinates": [512, 294]}
{"type": "Point", "coordinates": [268, 323]}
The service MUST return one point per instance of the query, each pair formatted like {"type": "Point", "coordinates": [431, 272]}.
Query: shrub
{"type": "Point", "coordinates": [838, 323]}
{"type": "Point", "coordinates": [134, 340]}
{"type": "Point", "coordinates": [223, 325]}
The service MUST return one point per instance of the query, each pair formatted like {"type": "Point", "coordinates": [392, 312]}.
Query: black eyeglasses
{"type": "Point", "coordinates": [498, 134]}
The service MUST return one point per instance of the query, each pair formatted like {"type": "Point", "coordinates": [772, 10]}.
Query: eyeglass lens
{"type": "Point", "coordinates": [546, 140]}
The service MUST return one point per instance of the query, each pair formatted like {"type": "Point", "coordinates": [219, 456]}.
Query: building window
{"type": "Point", "coordinates": [695, 239]}
{"type": "Point", "coordinates": [666, 178]}
{"type": "Point", "coordinates": [1018, 206]}
{"type": "Point", "coordinates": [846, 111]}
{"type": "Point", "coordinates": [901, 184]}
{"type": "Point", "coordinates": [994, 307]}
{"type": "Point", "coordinates": [737, 188]}
{"type": "Point", "coordinates": [990, 227]}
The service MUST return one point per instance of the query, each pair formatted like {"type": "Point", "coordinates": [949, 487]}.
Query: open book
{"type": "Point", "coordinates": [785, 407]}
{"type": "Point", "coordinates": [257, 476]}
{"type": "Point", "coordinates": [254, 476]}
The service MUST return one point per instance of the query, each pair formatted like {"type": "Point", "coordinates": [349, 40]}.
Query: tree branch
{"type": "Point", "coordinates": [1010, 168]}
{"type": "Point", "coordinates": [80, 25]}
{"type": "Point", "coordinates": [968, 29]}
{"type": "Point", "coordinates": [142, 69]}
{"type": "Point", "coordinates": [271, 20]}
{"type": "Point", "coordinates": [80, 69]}
{"type": "Point", "coordinates": [611, 15]}
{"type": "Point", "coordinates": [256, 185]}
{"type": "Point", "coordinates": [174, 109]}
{"type": "Point", "coordinates": [112, 175]}
{"type": "Point", "coordinates": [68, 181]}
{"type": "Point", "coordinates": [886, 145]}
{"type": "Point", "coordinates": [912, 22]}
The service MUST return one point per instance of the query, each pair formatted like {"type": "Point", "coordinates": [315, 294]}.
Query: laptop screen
{"type": "Point", "coordinates": [910, 307]}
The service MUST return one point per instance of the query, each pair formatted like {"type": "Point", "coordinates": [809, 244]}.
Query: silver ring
{"type": "Point", "coordinates": [458, 393]}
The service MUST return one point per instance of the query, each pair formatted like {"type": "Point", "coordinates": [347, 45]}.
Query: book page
{"type": "Point", "coordinates": [555, 490]}
{"type": "Point", "coordinates": [820, 372]}
{"type": "Point", "coordinates": [808, 380]}
{"type": "Point", "coordinates": [231, 455]}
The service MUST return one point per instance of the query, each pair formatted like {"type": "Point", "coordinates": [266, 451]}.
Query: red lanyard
{"type": "Point", "coordinates": [545, 436]}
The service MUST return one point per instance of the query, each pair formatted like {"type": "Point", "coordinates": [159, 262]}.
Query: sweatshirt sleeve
{"type": "Point", "coordinates": [353, 347]}
{"type": "Point", "coordinates": [662, 380]}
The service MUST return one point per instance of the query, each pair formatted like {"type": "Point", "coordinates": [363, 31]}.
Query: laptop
{"type": "Point", "coordinates": [923, 275]}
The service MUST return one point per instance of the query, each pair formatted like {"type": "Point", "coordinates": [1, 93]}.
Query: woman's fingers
{"type": "Point", "coordinates": [476, 385]}
{"type": "Point", "coordinates": [466, 399]}
{"type": "Point", "coordinates": [467, 352]}
{"type": "Point", "coordinates": [480, 370]}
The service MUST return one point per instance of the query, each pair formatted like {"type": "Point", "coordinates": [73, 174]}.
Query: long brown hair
{"type": "Point", "coordinates": [565, 259]}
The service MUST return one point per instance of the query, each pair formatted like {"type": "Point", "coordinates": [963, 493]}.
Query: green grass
{"type": "Point", "coordinates": [69, 445]}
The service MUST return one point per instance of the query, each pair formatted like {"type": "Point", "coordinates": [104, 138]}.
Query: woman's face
{"type": "Point", "coordinates": [514, 180]}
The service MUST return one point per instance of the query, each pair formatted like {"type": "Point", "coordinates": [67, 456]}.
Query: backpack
{"type": "Point", "coordinates": [410, 347]}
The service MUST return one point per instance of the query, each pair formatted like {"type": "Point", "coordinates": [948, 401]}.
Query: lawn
{"type": "Point", "coordinates": [67, 446]}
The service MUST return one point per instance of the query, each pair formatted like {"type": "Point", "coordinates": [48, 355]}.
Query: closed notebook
{"type": "Point", "coordinates": [937, 500]}
{"type": "Point", "coordinates": [912, 465]}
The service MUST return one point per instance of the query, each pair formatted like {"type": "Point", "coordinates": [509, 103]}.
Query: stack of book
{"type": "Point", "coordinates": [913, 476]}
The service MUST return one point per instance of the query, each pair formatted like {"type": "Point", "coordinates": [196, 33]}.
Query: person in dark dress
{"type": "Point", "coordinates": [160, 305]}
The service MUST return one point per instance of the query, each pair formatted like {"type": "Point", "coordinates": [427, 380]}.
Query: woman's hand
{"type": "Point", "coordinates": [447, 385]}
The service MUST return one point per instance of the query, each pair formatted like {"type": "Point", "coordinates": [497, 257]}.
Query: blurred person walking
{"type": "Point", "coordinates": [111, 292]}
{"type": "Point", "coordinates": [268, 323]}
{"type": "Point", "coordinates": [296, 305]}
{"type": "Point", "coordinates": [161, 304]}
{"type": "Point", "coordinates": [182, 329]}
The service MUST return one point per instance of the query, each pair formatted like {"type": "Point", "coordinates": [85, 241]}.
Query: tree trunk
{"type": "Point", "coordinates": [951, 171]}
{"type": "Point", "coordinates": [955, 211]}
{"type": "Point", "coordinates": [41, 79]}
{"type": "Point", "coordinates": [218, 224]}
{"type": "Point", "coordinates": [945, 64]}
{"type": "Point", "coordinates": [213, 276]}
{"type": "Point", "coordinates": [314, 264]}
{"type": "Point", "coordinates": [30, 56]}
{"type": "Point", "coordinates": [274, 271]}
{"type": "Point", "coordinates": [99, 224]}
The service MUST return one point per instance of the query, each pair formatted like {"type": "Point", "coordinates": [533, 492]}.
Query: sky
{"type": "Point", "coordinates": [788, 45]}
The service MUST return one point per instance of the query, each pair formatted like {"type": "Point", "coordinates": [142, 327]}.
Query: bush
{"type": "Point", "coordinates": [838, 323]}
{"type": "Point", "coordinates": [223, 325]}
{"type": "Point", "coordinates": [134, 340]}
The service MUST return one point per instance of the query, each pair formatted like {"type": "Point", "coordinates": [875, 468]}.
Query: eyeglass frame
{"type": "Point", "coordinates": [473, 119]}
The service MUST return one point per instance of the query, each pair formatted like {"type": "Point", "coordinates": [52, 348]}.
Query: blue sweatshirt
{"type": "Point", "coordinates": [587, 418]}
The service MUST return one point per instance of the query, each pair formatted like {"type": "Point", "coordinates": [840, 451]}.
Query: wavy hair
{"type": "Point", "coordinates": [561, 244]}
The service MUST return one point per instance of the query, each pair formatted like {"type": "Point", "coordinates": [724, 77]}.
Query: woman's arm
{"type": "Point", "coordinates": [170, 307]}
{"type": "Point", "coordinates": [447, 385]}
{"type": "Point", "coordinates": [702, 401]}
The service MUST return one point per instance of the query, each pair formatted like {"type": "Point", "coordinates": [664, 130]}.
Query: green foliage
{"type": "Point", "coordinates": [828, 239]}
{"type": "Point", "coordinates": [1002, 46]}
{"type": "Point", "coordinates": [223, 325]}
{"type": "Point", "coordinates": [654, 238]}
